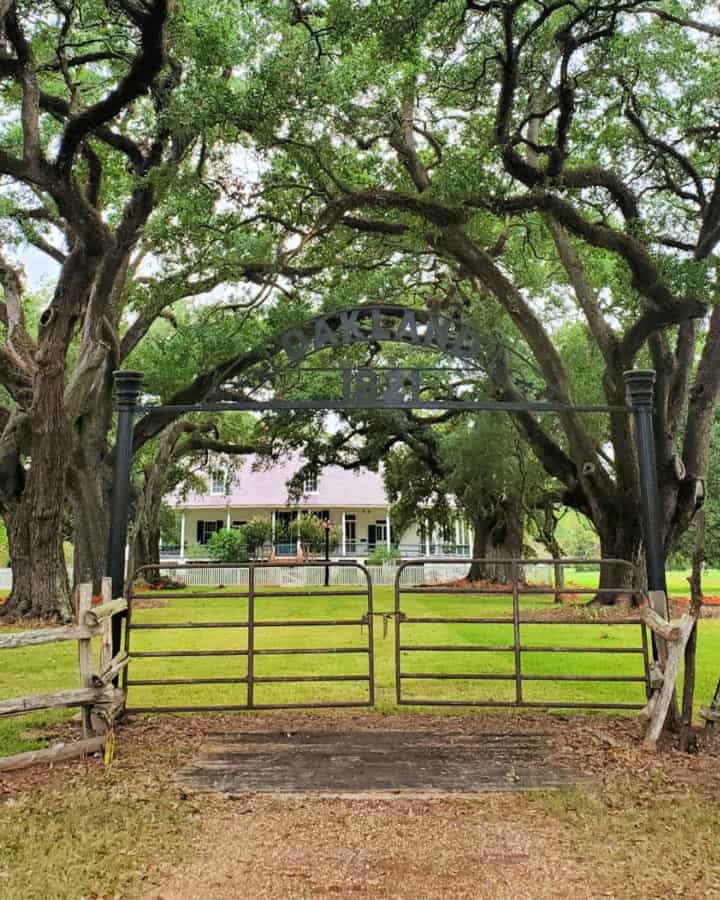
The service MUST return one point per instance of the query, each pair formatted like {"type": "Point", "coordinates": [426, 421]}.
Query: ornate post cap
{"type": "Point", "coordinates": [641, 386]}
{"type": "Point", "coordinates": [127, 387]}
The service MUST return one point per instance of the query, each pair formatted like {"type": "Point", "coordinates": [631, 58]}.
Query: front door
{"type": "Point", "coordinates": [377, 533]}
{"type": "Point", "coordinates": [350, 533]}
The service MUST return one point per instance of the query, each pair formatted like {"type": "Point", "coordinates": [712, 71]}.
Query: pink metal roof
{"type": "Point", "coordinates": [337, 487]}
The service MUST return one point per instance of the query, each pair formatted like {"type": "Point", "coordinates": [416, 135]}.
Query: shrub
{"type": "Point", "coordinates": [228, 545]}
{"type": "Point", "coordinates": [309, 530]}
{"type": "Point", "coordinates": [382, 554]}
{"type": "Point", "coordinates": [256, 532]}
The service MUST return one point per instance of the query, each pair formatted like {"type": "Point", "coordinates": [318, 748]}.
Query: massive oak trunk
{"type": "Point", "coordinates": [40, 582]}
{"type": "Point", "coordinates": [145, 551]}
{"type": "Point", "coordinates": [35, 518]}
{"type": "Point", "coordinates": [497, 537]}
{"type": "Point", "coordinates": [620, 541]}
{"type": "Point", "coordinates": [90, 485]}
{"type": "Point", "coordinates": [91, 516]}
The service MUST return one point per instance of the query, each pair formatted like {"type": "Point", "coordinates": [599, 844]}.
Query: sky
{"type": "Point", "coordinates": [40, 270]}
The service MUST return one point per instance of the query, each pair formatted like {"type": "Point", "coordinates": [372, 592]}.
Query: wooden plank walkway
{"type": "Point", "coordinates": [365, 763]}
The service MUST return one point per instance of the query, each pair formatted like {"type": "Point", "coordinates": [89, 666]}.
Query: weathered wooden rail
{"type": "Point", "coordinates": [100, 701]}
{"type": "Point", "coordinates": [671, 640]}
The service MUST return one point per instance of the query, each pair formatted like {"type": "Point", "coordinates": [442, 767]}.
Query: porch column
{"type": "Point", "coordinates": [227, 518]}
{"type": "Point", "coordinates": [387, 529]}
{"type": "Point", "coordinates": [272, 519]}
{"type": "Point", "coordinates": [457, 535]}
{"type": "Point", "coordinates": [182, 535]}
{"type": "Point", "coordinates": [427, 537]}
{"type": "Point", "coordinates": [343, 536]}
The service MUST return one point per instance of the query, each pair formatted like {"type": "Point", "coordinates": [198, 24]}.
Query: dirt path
{"type": "Point", "coordinates": [484, 847]}
{"type": "Point", "coordinates": [638, 826]}
{"type": "Point", "coordinates": [581, 844]}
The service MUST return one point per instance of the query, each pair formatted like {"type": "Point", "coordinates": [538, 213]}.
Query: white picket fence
{"type": "Point", "coordinates": [340, 576]}
{"type": "Point", "coordinates": [6, 578]}
{"type": "Point", "coordinates": [314, 576]}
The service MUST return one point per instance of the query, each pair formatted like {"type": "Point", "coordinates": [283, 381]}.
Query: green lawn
{"type": "Point", "coordinates": [677, 581]}
{"type": "Point", "coordinates": [54, 666]}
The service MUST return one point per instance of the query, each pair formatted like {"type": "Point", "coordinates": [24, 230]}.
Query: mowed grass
{"type": "Point", "coordinates": [53, 667]}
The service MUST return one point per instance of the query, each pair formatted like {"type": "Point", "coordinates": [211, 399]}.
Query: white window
{"type": "Point", "coordinates": [218, 479]}
{"type": "Point", "coordinates": [310, 485]}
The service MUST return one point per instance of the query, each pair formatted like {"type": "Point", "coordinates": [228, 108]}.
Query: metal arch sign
{"type": "Point", "coordinates": [412, 328]}
{"type": "Point", "coordinates": [367, 387]}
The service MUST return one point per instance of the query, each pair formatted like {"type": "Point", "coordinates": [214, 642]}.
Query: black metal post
{"type": "Point", "coordinates": [640, 384]}
{"type": "Point", "coordinates": [127, 390]}
{"type": "Point", "coordinates": [326, 524]}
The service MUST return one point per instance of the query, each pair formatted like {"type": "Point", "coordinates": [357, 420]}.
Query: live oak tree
{"type": "Point", "coordinates": [54, 150]}
{"type": "Point", "coordinates": [711, 512]}
{"type": "Point", "coordinates": [112, 164]}
{"type": "Point", "coordinates": [552, 155]}
{"type": "Point", "coordinates": [537, 155]}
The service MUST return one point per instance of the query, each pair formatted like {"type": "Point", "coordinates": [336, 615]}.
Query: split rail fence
{"type": "Point", "coordinates": [101, 703]}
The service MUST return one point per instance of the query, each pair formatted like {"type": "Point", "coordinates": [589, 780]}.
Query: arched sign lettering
{"type": "Point", "coordinates": [373, 324]}
{"type": "Point", "coordinates": [269, 377]}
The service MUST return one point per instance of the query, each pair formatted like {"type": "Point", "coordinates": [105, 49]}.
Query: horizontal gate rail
{"type": "Point", "coordinates": [314, 622]}
{"type": "Point", "coordinates": [308, 650]}
{"type": "Point", "coordinates": [284, 679]}
{"type": "Point", "coordinates": [157, 681]}
{"type": "Point", "coordinates": [315, 594]}
{"type": "Point", "coordinates": [250, 626]}
{"type": "Point", "coordinates": [514, 591]}
{"type": "Point", "coordinates": [150, 626]}
{"type": "Point", "coordinates": [155, 654]}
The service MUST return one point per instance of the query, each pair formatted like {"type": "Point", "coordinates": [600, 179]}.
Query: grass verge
{"type": "Point", "coordinates": [89, 836]}
{"type": "Point", "coordinates": [640, 841]}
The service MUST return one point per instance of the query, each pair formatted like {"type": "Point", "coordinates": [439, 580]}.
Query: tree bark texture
{"type": "Point", "coordinates": [497, 539]}
{"type": "Point", "coordinates": [35, 518]}
{"type": "Point", "coordinates": [90, 481]}
{"type": "Point", "coordinates": [53, 423]}
{"type": "Point", "coordinates": [687, 738]}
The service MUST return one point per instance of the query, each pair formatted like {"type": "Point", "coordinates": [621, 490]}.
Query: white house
{"type": "Point", "coordinates": [354, 502]}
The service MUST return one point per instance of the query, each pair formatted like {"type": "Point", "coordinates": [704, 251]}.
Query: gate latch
{"type": "Point", "coordinates": [386, 616]}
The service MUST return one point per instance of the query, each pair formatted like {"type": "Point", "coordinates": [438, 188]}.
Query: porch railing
{"type": "Point", "coordinates": [352, 549]}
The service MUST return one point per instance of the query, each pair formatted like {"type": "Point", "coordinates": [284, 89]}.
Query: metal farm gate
{"type": "Point", "coordinates": [257, 651]}
{"type": "Point", "coordinates": [516, 663]}
{"type": "Point", "coordinates": [455, 644]}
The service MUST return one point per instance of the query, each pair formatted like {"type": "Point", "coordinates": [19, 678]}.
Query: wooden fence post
{"type": "Point", "coordinates": [106, 639]}
{"type": "Point", "coordinates": [85, 653]}
{"type": "Point", "coordinates": [658, 602]}
{"type": "Point", "coordinates": [671, 669]}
